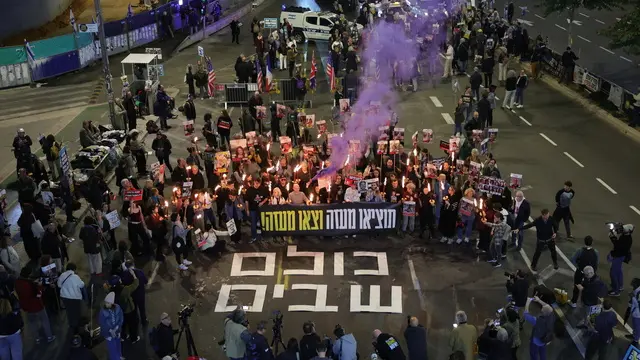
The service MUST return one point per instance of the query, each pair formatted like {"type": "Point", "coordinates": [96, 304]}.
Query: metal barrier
{"type": "Point", "coordinates": [71, 52]}
{"type": "Point", "coordinates": [237, 93]}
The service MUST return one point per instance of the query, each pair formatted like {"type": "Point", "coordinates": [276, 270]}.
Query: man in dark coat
{"type": "Point", "coordinates": [416, 337]}
{"type": "Point", "coordinates": [132, 113]}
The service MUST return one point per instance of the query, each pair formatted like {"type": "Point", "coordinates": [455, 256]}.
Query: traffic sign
{"type": "Point", "coordinates": [270, 23]}
{"type": "Point", "coordinates": [88, 28]}
{"type": "Point", "coordinates": [200, 51]}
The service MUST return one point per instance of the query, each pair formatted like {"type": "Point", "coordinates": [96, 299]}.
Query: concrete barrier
{"type": "Point", "coordinates": [217, 26]}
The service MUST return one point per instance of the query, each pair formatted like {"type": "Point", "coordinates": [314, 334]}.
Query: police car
{"type": "Point", "coordinates": [311, 25]}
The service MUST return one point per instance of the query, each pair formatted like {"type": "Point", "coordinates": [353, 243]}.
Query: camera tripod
{"type": "Point", "coordinates": [277, 339]}
{"type": "Point", "coordinates": [186, 329]}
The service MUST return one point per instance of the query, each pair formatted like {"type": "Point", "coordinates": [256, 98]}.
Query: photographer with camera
{"type": "Point", "coordinates": [258, 348]}
{"type": "Point", "coordinates": [236, 335]}
{"type": "Point", "coordinates": [161, 337]}
{"type": "Point", "coordinates": [416, 337]}
{"type": "Point", "coordinates": [542, 333]}
{"type": "Point", "coordinates": [583, 257]}
{"type": "Point", "coordinates": [518, 288]}
{"type": "Point", "coordinates": [29, 293]}
{"type": "Point", "coordinates": [493, 343]}
{"type": "Point", "coordinates": [620, 236]}
{"type": "Point", "coordinates": [309, 341]}
{"type": "Point", "coordinates": [345, 347]}
{"type": "Point", "coordinates": [386, 346]}
{"type": "Point", "coordinates": [463, 336]}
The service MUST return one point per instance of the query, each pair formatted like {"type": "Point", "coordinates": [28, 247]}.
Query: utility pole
{"type": "Point", "coordinates": [105, 64]}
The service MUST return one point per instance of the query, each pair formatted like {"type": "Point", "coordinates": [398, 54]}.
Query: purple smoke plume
{"type": "Point", "coordinates": [386, 44]}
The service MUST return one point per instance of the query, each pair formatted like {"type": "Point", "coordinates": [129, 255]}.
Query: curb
{"type": "Point", "coordinates": [616, 123]}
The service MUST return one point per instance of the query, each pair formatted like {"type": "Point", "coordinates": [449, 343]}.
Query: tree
{"type": "Point", "coordinates": [626, 32]}
{"type": "Point", "coordinates": [569, 8]}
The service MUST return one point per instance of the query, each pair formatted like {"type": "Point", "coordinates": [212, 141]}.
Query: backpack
{"type": "Point", "coordinates": [300, 84]}
{"type": "Point", "coordinates": [153, 339]}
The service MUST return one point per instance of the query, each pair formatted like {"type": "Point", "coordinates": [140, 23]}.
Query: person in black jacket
{"type": "Point", "coordinates": [546, 229]}
{"type": "Point", "coordinates": [488, 63]}
{"type": "Point", "coordinates": [416, 337]}
{"type": "Point", "coordinates": [190, 113]}
{"type": "Point", "coordinates": [132, 112]}
{"type": "Point", "coordinates": [309, 341]}
{"type": "Point", "coordinates": [387, 346]}
{"type": "Point", "coordinates": [179, 173]}
{"type": "Point", "coordinates": [620, 237]}
{"type": "Point", "coordinates": [494, 343]}
{"type": "Point", "coordinates": [164, 333]}
{"type": "Point", "coordinates": [510, 90]}
{"type": "Point", "coordinates": [583, 257]}
{"type": "Point", "coordinates": [484, 110]}
{"type": "Point", "coordinates": [10, 317]}
{"type": "Point", "coordinates": [162, 147]}
{"type": "Point", "coordinates": [292, 351]}
{"type": "Point", "coordinates": [196, 178]}
{"type": "Point", "coordinates": [568, 63]}
{"type": "Point", "coordinates": [190, 80]}
{"type": "Point", "coordinates": [518, 288]}
{"type": "Point", "coordinates": [258, 348]}
{"type": "Point", "coordinates": [475, 81]}
{"type": "Point", "coordinates": [90, 236]}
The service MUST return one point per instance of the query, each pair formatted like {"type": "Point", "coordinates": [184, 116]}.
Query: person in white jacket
{"type": "Point", "coordinates": [9, 257]}
{"type": "Point", "coordinates": [71, 292]}
{"type": "Point", "coordinates": [448, 62]}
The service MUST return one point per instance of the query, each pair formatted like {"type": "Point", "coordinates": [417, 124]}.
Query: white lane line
{"type": "Point", "coordinates": [600, 21]}
{"type": "Point", "coordinates": [154, 273]}
{"type": "Point", "coordinates": [416, 284]}
{"type": "Point", "coordinates": [574, 159]}
{"type": "Point", "coordinates": [606, 186]}
{"type": "Point", "coordinates": [525, 121]}
{"type": "Point", "coordinates": [635, 209]}
{"type": "Point", "coordinates": [435, 101]}
{"type": "Point", "coordinates": [607, 50]}
{"type": "Point", "coordinates": [618, 19]}
{"type": "Point", "coordinates": [558, 26]}
{"type": "Point", "coordinates": [447, 118]}
{"type": "Point", "coordinates": [625, 59]}
{"type": "Point", "coordinates": [585, 15]}
{"type": "Point", "coordinates": [549, 140]}
{"type": "Point", "coordinates": [538, 16]}
{"type": "Point", "coordinates": [584, 39]}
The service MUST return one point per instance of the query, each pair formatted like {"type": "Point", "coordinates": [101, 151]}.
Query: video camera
{"type": "Point", "coordinates": [185, 311]}
{"type": "Point", "coordinates": [617, 229]}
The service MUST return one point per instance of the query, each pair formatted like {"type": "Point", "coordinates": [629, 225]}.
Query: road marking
{"type": "Point", "coordinates": [154, 273]}
{"type": "Point", "coordinates": [584, 39]}
{"type": "Point", "coordinates": [635, 209]}
{"type": "Point", "coordinates": [575, 334]}
{"type": "Point", "coordinates": [538, 16]}
{"type": "Point", "coordinates": [599, 21]}
{"type": "Point", "coordinates": [525, 121]}
{"type": "Point", "coordinates": [625, 59]}
{"type": "Point", "coordinates": [435, 101]}
{"type": "Point", "coordinates": [606, 186]}
{"type": "Point", "coordinates": [549, 140]}
{"type": "Point", "coordinates": [278, 291]}
{"type": "Point", "coordinates": [585, 15]}
{"type": "Point", "coordinates": [338, 264]}
{"type": "Point", "coordinates": [416, 284]}
{"type": "Point", "coordinates": [447, 118]}
{"type": "Point", "coordinates": [618, 19]}
{"type": "Point", "coordinates": [607, 50]}
{"type": "Point", "coordinates": [574, 159]}
{"type": "Point", "coordinates": [558, 26]}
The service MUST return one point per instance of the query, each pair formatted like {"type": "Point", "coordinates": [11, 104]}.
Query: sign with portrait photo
{"type": "Point", "coordinates": [222, 162]}
{"type": "Point", "coordinates": [285, 145]}
{"type": "Point", "coordinates": [382, 147]}
{"type": "Point", "coordinates": [322, 126]}
{"type": "Point", "coordinates": [238, 149]}
{"type": "Point", "coordinates": [427, 136]}
{"type": "Point", "coordinates": [409, 208]}
{"type": "Point", "coordinates": [395, 147]}
{"type": "Point", "coordinates": [384, 133]}
{"type": "Point", "coordinates": [261, 112]}
{"type": "Point", "coordinates": [345, 106]}
{"type": "Point", "coordinates": [398, 134]}
{"type": "Point", "coordinates": [306, 120]}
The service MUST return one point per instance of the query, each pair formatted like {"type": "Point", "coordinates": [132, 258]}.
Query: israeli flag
{"type": "Point", "coordinates": [72, 21]}
{"type": "Point", "coordinates": [30, 55]}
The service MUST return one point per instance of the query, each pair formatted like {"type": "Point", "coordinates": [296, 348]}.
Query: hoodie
{"type": "Point", "coordinates": [110, 321]}
{"type": "Point", "coordinates": [346, 347]}
{"type": "Point", "coordinates": [70, 285]}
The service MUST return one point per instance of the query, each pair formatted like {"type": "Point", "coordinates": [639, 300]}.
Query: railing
{"type": "Point", "coordinates": [67, 53]}
{"type": "Point", "coordinates": [607, 94]}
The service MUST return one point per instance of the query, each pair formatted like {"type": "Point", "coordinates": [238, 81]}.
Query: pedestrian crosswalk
{"type": "Point", "coordinates": [26, 101]}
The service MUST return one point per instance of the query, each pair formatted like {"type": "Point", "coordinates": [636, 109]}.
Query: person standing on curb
{"type": "Point", "coordinates": [521, 83]}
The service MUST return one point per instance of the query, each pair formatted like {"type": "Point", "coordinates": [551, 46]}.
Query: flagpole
{"type": "Point", "coordinates": [105, 64]}
{"type": "Point", "coordinates": [72, 20]}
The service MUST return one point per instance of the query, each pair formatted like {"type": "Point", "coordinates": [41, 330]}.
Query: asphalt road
{"type": "Point", "coordinates": [576, 146]}
{"type": "Point", "coordinates": [593, 49]}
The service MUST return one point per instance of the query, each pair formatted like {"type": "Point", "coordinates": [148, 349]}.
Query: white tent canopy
{"type": "Point", "coordinates": [139, 59]}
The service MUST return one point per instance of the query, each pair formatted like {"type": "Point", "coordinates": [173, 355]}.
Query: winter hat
{"type": "Point", "coordinates": [110, 298]}
{"type": "Point", "coordinates": [114, 280]}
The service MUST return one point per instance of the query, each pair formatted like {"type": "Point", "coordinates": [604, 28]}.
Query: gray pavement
{"type": "Point", "coordinates": [593, 49]}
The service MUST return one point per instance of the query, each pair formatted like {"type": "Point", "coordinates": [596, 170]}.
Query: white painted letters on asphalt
{"type": "Point", "coordinates": [435, 101]}
{"type": "Point", "coordinates": [606, 186]}
{"type": "Point", "coordinates": [447, 118]}
{"type": "Point", "coordinates": [549, 140]}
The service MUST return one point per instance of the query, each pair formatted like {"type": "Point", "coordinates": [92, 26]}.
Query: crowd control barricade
{"type": "Point", "coordinates": [288, 94]}
{"type": "Point", "coordinates": [238, 94]}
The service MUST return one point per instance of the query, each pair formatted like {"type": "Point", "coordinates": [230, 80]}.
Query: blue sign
{"type": "Point", "coordinates": [65, 165]}
{"type": "Point", "coordinates": [270, 23]}
{"type": "Point", "coordinates": [633, 353]}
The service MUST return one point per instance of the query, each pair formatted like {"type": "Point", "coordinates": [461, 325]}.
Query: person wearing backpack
{"type": "Point", "coordinates": [542, 332]}
{"type": "Point", "coordinates": [161, 337]}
